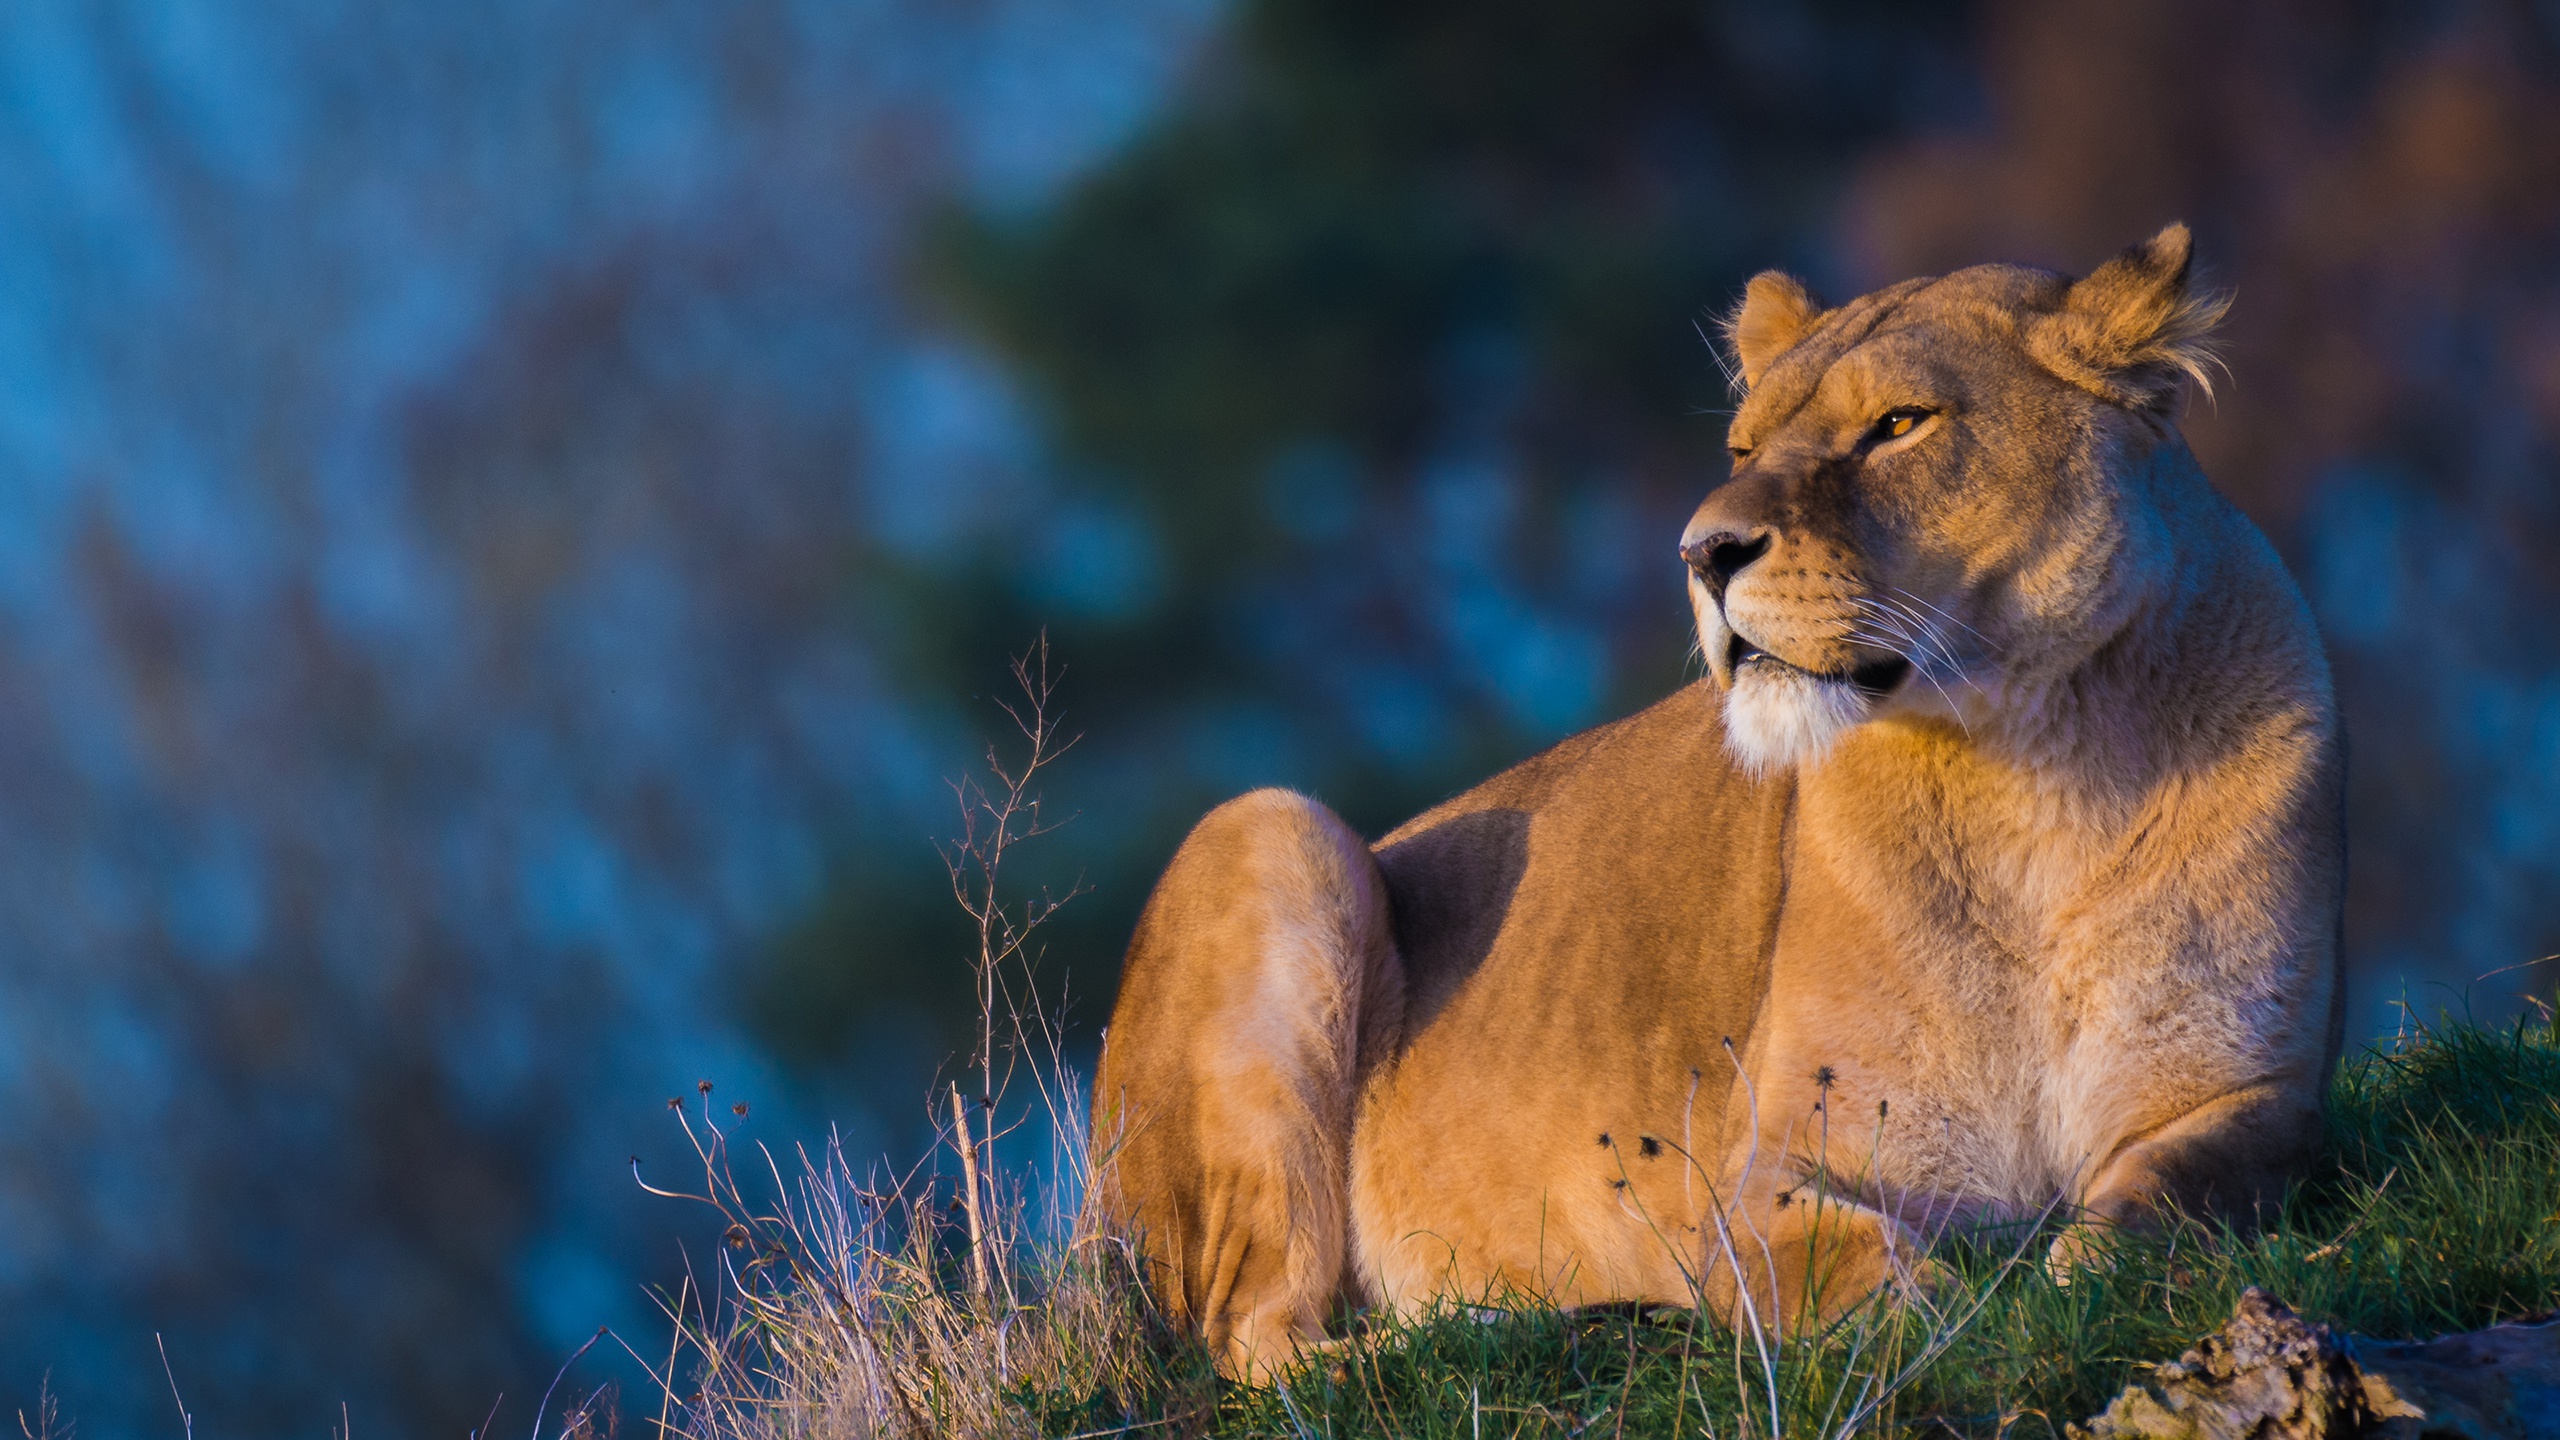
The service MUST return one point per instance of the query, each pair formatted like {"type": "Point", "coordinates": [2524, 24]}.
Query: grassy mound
{"type": "Point", "coordinates": [2435, 1206]}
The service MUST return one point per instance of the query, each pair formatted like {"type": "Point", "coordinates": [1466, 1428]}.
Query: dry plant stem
{"type": "Point", "coordinates": [675, 1344]}
{"type": "Point", "coordinates": [978, 1236]}
{"type": "Point", "coordinates": [48, 1424]}
{"type": "Point", "coordinates": [545, 1407]}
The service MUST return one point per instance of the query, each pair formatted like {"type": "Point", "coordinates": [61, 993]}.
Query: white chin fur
{"type": "Point", "coordinates": [1774, 717]}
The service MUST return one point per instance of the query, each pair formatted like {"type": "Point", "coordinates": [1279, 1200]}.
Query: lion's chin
{"type": "Point", "coordinates": [1776, 715]}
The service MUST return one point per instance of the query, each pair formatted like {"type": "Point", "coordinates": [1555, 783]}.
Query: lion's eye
{"type": "Point", "coordinates": [1897, 423]}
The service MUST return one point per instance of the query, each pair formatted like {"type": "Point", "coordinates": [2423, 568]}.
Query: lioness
{"type": "Point", "coordinates": [1997, 865]}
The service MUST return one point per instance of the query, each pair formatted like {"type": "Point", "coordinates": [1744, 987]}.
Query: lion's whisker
{"type": "Point", "coordinates": [1946, 652]}
{"type": "Point", "coordinates": [1893, 627]}
{"type": "Point", "coordinates": [1945, 642]}
{"type": "Point", "coordinates": [1923, 634]}
{"type": "Point", "coordinates": [1936, 632]}
{"type": "Point", "coordinates": [1732, 377]}
{"type": "Point", "coordinates": [1897, 624]}
{"type": "Point", "coordinates": [1950, 619]}
{"type": "Point", "coordinates": [1869, 637]}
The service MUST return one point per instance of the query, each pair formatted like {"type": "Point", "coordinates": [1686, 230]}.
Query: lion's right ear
{"type": "Point", "coordinates": [2136, 326]}
{"type": "Point", "coordinates": [1775, 313]}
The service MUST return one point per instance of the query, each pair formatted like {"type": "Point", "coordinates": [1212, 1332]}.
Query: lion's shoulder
{"type": "Point", "coordinates": [1636, 844]}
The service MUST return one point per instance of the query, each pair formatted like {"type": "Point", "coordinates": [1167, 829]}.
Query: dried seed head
{"type": "Point", "coordinates": [702, 1085]}
{"type": "Point", "coordinates": [1604, 1139]}
{"type": "Point", "coordinates": [739, 1109]}
{"type": "Point", "coordinates": [1649, 1146]}
{"type": "Point", "coordinates": [737, 1237]}
{"type": "Point", "coordinates": [1824, 1076]}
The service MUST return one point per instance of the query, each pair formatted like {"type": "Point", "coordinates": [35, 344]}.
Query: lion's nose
{"type": "Point", "coordinates": [1719, 556]}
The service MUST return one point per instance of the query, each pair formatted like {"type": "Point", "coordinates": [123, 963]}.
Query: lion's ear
{"type": "Point", "coordinates": [2136, 326]}
{"type": "Point", "coordinates": [1775, 313]}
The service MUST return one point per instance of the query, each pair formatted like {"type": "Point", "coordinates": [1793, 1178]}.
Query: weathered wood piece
{"type": "Point", "coordinates": [2269, 1374]}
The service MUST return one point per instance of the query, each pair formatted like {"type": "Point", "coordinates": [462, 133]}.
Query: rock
{"type": "Point", "coordinates": [2271, 1375]}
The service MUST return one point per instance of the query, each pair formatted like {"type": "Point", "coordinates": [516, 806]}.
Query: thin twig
{"type": "Point", "coordinates": [545, 1407]}
{"type": "Point", "coordinates": [186, 1421]}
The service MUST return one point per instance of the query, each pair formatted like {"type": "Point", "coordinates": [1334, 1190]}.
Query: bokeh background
{"type": "Point", "coordinates": [511, 513]}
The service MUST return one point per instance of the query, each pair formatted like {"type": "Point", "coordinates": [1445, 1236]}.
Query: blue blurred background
{"type": "Point", "coordinates": [511, 514]}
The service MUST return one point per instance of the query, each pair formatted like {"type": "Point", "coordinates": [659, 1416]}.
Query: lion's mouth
{"type": "Point", "coordinates": [1877, 678]}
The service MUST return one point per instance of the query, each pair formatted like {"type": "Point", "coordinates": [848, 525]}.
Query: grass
{"type": "Point", "coordinates": [2434, 1206]}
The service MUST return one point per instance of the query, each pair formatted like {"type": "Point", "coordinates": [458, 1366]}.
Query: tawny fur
{"type": "Point", "coordinates": [1737, 1000]}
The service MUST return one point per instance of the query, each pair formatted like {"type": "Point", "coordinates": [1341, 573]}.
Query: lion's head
{"type": "Point", "coordinates": [1941, 492]}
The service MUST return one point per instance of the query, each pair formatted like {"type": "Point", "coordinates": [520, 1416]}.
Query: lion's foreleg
{"type": "Point", "coordinates": [2225, 1159]}
{"type": "Point", "coordinates": [1781, 1257]}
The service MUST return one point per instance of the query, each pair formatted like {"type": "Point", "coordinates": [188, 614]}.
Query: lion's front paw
{"type": "Point", "coordinates": [2083, 1246]}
